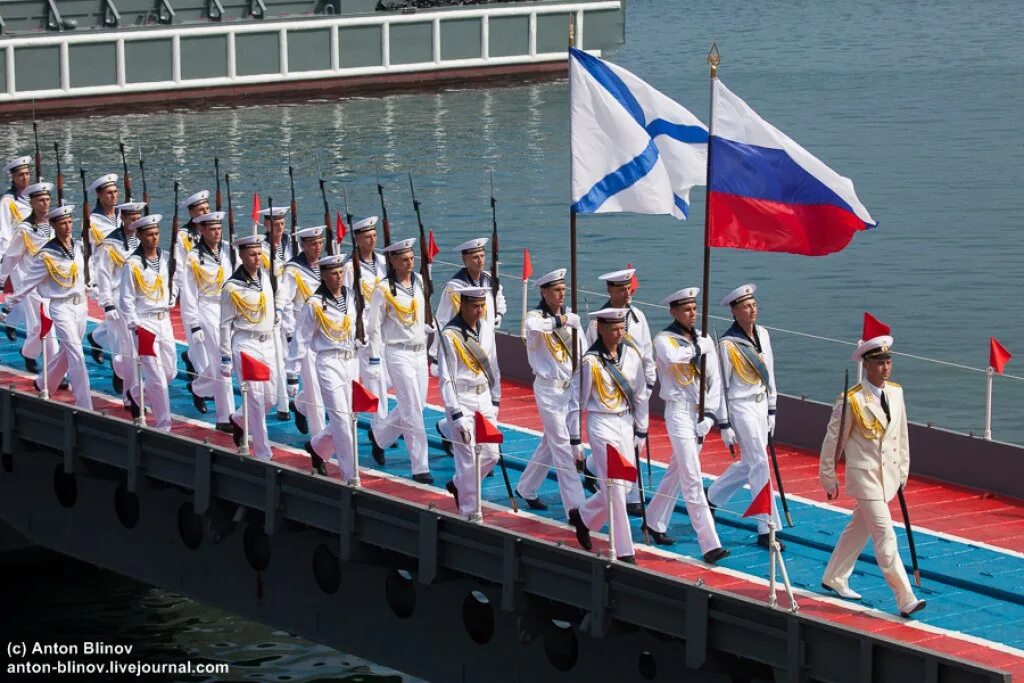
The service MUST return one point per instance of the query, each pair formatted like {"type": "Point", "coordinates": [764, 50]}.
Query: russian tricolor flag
{"type": "Point", "coordinates": [767, 193]}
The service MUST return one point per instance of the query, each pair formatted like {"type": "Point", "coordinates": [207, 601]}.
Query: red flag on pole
{"type": "Point", "coordinates": [255, 208]}
{"type": "Point", "coordinates": [363, 400]}
{"type": "Point", "coordinates": [45, 323]}
{"type": "Point", "coordinates": [634, 283]}
{"type": "Point", "coordinates": [486, 432]}
{"type": "Point", "coordinates": [998, 356]}
{"type": "Point", "coordinates": [340, 228]}
{"type": "Point", "coordinates": [527, 265]}
{"type": "Point", "coordinates": [762, 503]}
{"type": "Point", "coordinates": [619, 467]}
{"type": "Point", "coordinates": [873, 327]}
{"type": "Point", "coordinates": [432, 248]}
{"type": "Point", "coordinates": [254, 370]}
{"type": "Point", "coordinates": [147, 342]}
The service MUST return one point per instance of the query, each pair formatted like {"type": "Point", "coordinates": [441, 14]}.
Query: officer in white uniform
{"type": "Point", "coordinates": [747, 413]}
{"type": "Point", "coordinates": [615, 397]}
{"type": "Point", "coordinates": [203, 273]}
{"type": "Point", "coordinates": [197, 361]}
{"type": "Point", "coordinates": [549, 337]}
{"type": "Point", "coordinates": [300, 278]}
{"type": "Point", "coordinates": [877, 451]}
{"type": "Point", "coordinates": [678, 350]}
{"type": "Point", "coordinates": [145, 294]}
{"type": "Point", "coordinates": [470, 383]}
{"type": "Point", "coordinates": [247, 323]}
{"type": "Point", "coordinates": [276, 239]}
{"type": "Point", "coordinates": [14, 204]}
{"type": "Point", "coordinates": [325, 337]}
{"type": "Point", "coordinates": [396, 329]}
{"type": "Point", "coordinates": [103, 220]}
{"type": "Point", "coordinates": [57, 273]}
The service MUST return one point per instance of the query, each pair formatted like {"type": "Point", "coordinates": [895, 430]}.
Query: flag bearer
{"type": "Point", "coordinates": [470, 383]}
{"type": "Point", "coordinates": [300, 278]}
{"type": "Point", "coordinates": [549, 340]}
{"type": "Point", "coordinates": [615, 397]}
{"type": "Point", "coordinates": [397, 331]}
{"type": "Point", "coordinates": [747, 413]}
{"type": "Point", "coordinates": [247, 323]}
{"type": "Point", "coordinates": [877, 451]}
{"type": "Point", "coordinates": [678, 350]}
{"type": "Point", "coordinates": [197, 361]}
{"type": "Point", "coordinates": [277, 240]}
{"type": "Point", "coordinates": [204, 271]}
{"type": "Point", "coordinates": [29, 237]}
{"type": "Point", "coordinates": [145, 294]}
{"type": "Point", "coordinates": [325, 337]}
{"type": "Point", "coordinates": [57, 274]}
{"type": "Point", "coordinates": [14, 204]}
{"type": "Point", "coordinates": [103, 220]}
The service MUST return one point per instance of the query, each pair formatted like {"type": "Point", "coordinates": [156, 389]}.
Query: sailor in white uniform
{"type": "Point", "coordinates": [300, 278]}
{"type": "Point", "coordinates": [14, 204]}
{"type": "Point", "coordinates": [57, 273]}
{"type": "Point", "coordinates": [549, 338]}
{"type": "Point", "coordinates": [470, 383]}
{"type": "Point", "coordinates": [277, 240]}
{"type": "Point", "coordinates": [747, 413]}
{"type": "Point", "coordinates": [145, 295]}
{"type": "Point", "coordinates": [103, 220]}
{"type": "Point", "coordinates": [678, 350]}
{"type": "Point", "coordinates": [396, 330]}
{"type": "Point", "coordinates": [615, 396]}
{"type": "Point", "coordinates": [196, 359]}
{"type": "Point", "coordinates": [325, 336]}
{"type": "Point", "coordinates": [204, 270]}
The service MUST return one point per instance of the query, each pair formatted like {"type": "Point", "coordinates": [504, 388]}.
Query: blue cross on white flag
{"type": "Point", "coordinates": [633, 148]}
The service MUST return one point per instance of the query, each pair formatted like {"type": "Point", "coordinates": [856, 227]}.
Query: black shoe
{"type": "Point", "coordinates": [300, 420]}
{"type": "Point", "coordinates": [95, 349]}
{"type": "Point", "coordinates": [64, 385]}
{"type": "Point", "coordinates": [133, 407]}
{"type": "Point", "coordinates": [376, 451]}
{"type": "Point", "coordinates": [236, 433]}
{"type": "Point", "coordinates": [762, 540]}
{"type": "Point", "coordinates": [198, 401]}
{"type": "Point", "coordinates": [582, 532]}
{"type": "Point", "coordinates": [189, 368]}
{"type": "Point", "coordinates": [713, 556]}
{"type": "Point", "coordinates": [450, 487]}
{"type": "Point", "coordinates": [31, 365]}
{"type": "Point", "coordinates": [12, 333]}
{"type": "Point", "coordinates": [224, 427]}
{"type": "Point", "coordinates": [283, 416]}
{"type": "Point", "coordinates": [533, 503]}
{"type": "Point", "coordinates": [659, 537]}
{"type": "Point", "coordinates": [423, 478]}
{"type": "Point", "coordinates": [118, 384]}
{"type": "Point", "coordinates": [589, 480]}
{"type": "Point", "coordinates": [319, 466]}
{"type": "Point", "coordinates": [711, 506]}
{"type": "Point", "coordinates": [445, 443]}
{"type": "Point", "coordinates": [627, 559]}
{"type": "Point", "coordinates": [634, 509]}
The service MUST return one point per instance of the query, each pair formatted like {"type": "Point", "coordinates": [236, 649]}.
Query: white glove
{"type": "Point", "coordinates": [360, 344]}
{"type": "Point", "coordinates": [433, 368]}
{"type": "Point", "coordinates": [638, 442]}
{"type": "Point", "coordinates": [572, 320]}
{"type": "Point", "coordinates": [373, 372]}
{"type": "Point", "coordinates": [133, 327]}
{"type": "Point", "coordinates": [225, 369]}
{"type": "Point", "coordinates": [497, 320]}
{"type": "Point", "coordinates": [110, 315]}
{"type": "Point", "coordinates": [4, 312]}
{"type": "Point", "coordinates": [462, 427]}
{"type": "Point", "coordinates": [705, 344]}
{"type": "Point", "coordinates": [500, 305]}
{"type": "Point", "coordinates": [578, 452]}
{"type": "Point", "coordinates": [831, 491]}
{"type": "Point", "coordinates": [771, 425]}
{"type": "Point", "coordinates": [198, 338]}
{"type": "Point", "coordinates": [93, 292]}
{"type": "Point", "coordinates": [278, 317]}
{"type": "Point", "coordinates": [728, 436]}
{"type": "Point", "coordinates": [703, 427]}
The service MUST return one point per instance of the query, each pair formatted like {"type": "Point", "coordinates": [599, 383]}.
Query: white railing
{"type": "Point", "coordinates": [335, 24]}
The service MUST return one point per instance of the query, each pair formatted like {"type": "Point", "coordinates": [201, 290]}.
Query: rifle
{"type": "Point", "coordinates": [778, 479]}
{"type": "Point", "coordinates": [60, 176]}
{"type": "Point", "coordinates": [357, 278]}
{"type": "Point", "coordinates": [127, 178]}
{"type": "Point", "coordinates": [842, 417]}
{"type": "Point", "coordinates": [328, 238]}
{"type": "Point", "coordinates": [86, 226]}
{"type": "Point", "coordinates": [273, 251]}
{"type": "Point", "coordinates": [294, 208]}
{"type": "Point", "coordinates": [495, 279]}
{"type": "Point", "coordinates": [172, 257]}
{"type": "Point", "coordinates": [231, 220]}
{"type": "Point", "coordinates": [384, 213]}
{"type": "Point", "coordinates": [39, 156]}
{"type": "Point", "coordinates": [428, 288]}
{"type": "Point", "coordinates": [910, 536]}
{"type": "Point", "coordinates": [216, 176]}
{"type": "Point", "coordinates": [142, 174]}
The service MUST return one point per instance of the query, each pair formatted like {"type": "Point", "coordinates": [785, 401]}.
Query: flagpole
{"type": "Point", "coordinates": [46, 372]}
{"type": "Point", "coordinates": [572, 214]}
{"type": "Point", "coordinates": [243, 449]}
{"type": "Point", "coordinates": [988, 405]}
{"type": "Point", "coordinates": [608, 484]}
{"type": "Point", "coordinates": [354, 481]}
{"type": "Point", "coordinates": [478, 514]}
{"type": "Point", "coordinates": [714, 59]}
{"type": "Point", "coordinates": [141, 419]}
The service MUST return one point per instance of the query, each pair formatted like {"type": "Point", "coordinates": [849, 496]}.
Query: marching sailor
{"type": "Point", "coordinates": [549, 339]}
{"type": "Point", "coordinates": [877, 451]}
{"type": "Point", "coordinates": [57, 273]}
{"type": "Point", "coordinates": [470, 383]}
{"type": "Point", "coordinates": [300, 278]}
{"type": "Point", "coordinates": [145, 293]}
{"type": "Point", "coordinates": [14, 204]}
{"type": "Point", "coordinates": [325, 337]}
{"type": "Point", "coordinates": [103, 220]}
{"type": "Point", "coordinates": [396, 329]}
{"type": "Point", "coordinates": [248, 323]}
{"type": "Point", "coordinates": [678, 350]}
{"type": "Point", "coordinates": [197, 360]}
{"type": "Point", "coordinates": [615, 397]}
{"type": "Point", "coordinates": [747, 412]}
{"type": "Point", "coordinates": [29, 238]}
{"type": "Point", "coordinates": [204, 271]}
{"type": "Point", "coordinates": [275, 239]}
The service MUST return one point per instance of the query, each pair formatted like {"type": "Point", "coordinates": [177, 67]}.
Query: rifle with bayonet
{"type": "Point", "coordinates": [495, 277]}
{"type": "Point", "coordinates": [328, 238]}
{"type": "Point", "coordinates": [39, 155]}
{"type": "Point", "coordinates": [86, 226]}
{"type": "Point", "coordinates": [231, 220]}
{"type": "Point", "coordinates": [293, 206]}
{"type": "Point", "coordinates": [127, 178]}
{"type": "Point", "coordinates": [60, 176]}
{"type": "Point", "coordinates": [357, 273]}
{"type": "Point", "coordinates": [142, 175]}
{"type": "Point", "coordinates": [384, 213]}
{"type": "Point", "coordinates": [216, 176]}
{"type": "Point", "coordinates": [172, 257]}
{"type": "Point", "coordinates": [428, 287]}
{"type": "Point", "coordinates": [273, 252]}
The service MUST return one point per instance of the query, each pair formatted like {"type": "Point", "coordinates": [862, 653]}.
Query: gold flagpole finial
{"type": "Point", "coordinates": [572, 30]}
{"type": "Point", "coordinates": [714, 59]}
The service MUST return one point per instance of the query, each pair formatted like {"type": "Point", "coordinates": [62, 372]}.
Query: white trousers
{"type": "Point", "coordinates": [749, 419]}
{"type": "Point", "coordinates": [466, 453]}
{"type": "Point", "coordinates": [408, 372]}
{"type": "Point", "coordinates": [69, 327]}
{"type": "Point", "coordinates": [157, 371]}
{"type": "Point", "coordinates": [259, 396]}
{"type": "Point", "coordinates": [683, 475]}
{"type": "Point", "coordinates": [378, 388]}
{"type": "Point", "coordinates": [554, 449]}
{"type": "Point", "coordinates": [871, 518]}
{"type": "Point", "coordinates": [604, 429]}
{"type": "Point", "coordinates": [210, 383]}
{"type": "Point", "coordinates": [336, 439]}
{"type": "Point", "coordinates": [30, 315]}
{"type": "Point", "coordinates": [309, 401]}
{"type": "Point", "coordinates": [198, 355]}
{"type": "Point", "coordinates": [122, 351]}
{"type": "Point", "coordinates": [280, 379]}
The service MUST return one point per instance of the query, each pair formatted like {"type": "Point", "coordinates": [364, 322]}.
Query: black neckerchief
{"type": "Point", "coordinates": [463, 275]}
{"type": "Point", "coordinates": [372, 263]}
{"type": "Point", "coordinates": [341, 303]}
{"type": "Point", "coordinates": [301, 260]}
{"type": "Point", "coordinates": [192, 230]}
{"type": "Point", "coordinates": [676, 328]}
{"type": "Point", "coordinates": [14, 192]}
{"type": "Point", "coordinates": [736, 331]}
{"type": "Point", "coordinates": [632, 313]}
{"type": "Point", "coordinates": [599, 349]}
{"type": "Point", "coordinates": [141, 253]}
{"type": "Point", "coordinates": [98, 211]}
{"type": "Point", "coordinates": [241, 276]}
{"type": "Point", "coordinates": [55, 245]}
{"type": "Point", "coordinates": [543, 308]}
{"type": "Point", "coordinates": [201, 247]}
{"type": "Point", "coordinates": [458, 323]}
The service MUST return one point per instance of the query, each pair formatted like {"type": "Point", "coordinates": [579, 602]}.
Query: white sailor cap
{"type": "Point", "coordinates": [401, 246]}
{"type": "Point", "coordinates": [686, 295]}
{"type": "Point", "coordinates": [131, 207]}
{"type": "Point", "coordinates": [39, 188]}
{"type": "Point", "coordinates": [254, 240]}
{"type": "Point", "coordinates": [310, 233]}
{"type": "Point", "coordinates": [60, 212]}
{"type": "Point", "coordinates": [16, 163]}
{"type": "Point", "coordinates": [103, 181]}
{"type": "Point", "coordinates": [472, 246]}
{"type": "Point", "coordinates": [619, 277]}
{"type": "Point", "coordinates": [472, 293]}
{"type": "Point", "coordinates": [276, 211]}
{"type": "Point", "coordinates": [198, 197]}
{"type": "Point", "coordinates": [739, 295]}
{"type": "Point", "coordinates": [212, 217]}
{"type": "Point", "coordinates": [368, 223]}
{"type": "Point", "coordinates": [554, 277]}
{"type": "Point", "coordinates": [146, 222]}
{"type": "Point", "coordinates": [877, 348]}
{"type": "Point", "coordinates": [610, 315]}
{"type": "Point", "coordinates": [332, 261]}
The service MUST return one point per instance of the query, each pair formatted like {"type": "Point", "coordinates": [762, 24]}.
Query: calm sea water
{"type": "Point", "coordinates": [918, 102]}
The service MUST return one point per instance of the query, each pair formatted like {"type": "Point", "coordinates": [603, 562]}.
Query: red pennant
{"type": "Point", "coordinates": [486, 432]}
{"type": "Point", "coordinates": [339, 228]}
{"type": "Point", "coordinates": [998, 356]}
{"type": "Point", "coordinates": [363, 400]}
{"type": "Point", "coordinates": [147, 342]}
{"type": "Point", "coordinates": [619, 467]}
{"type": "Point", "coordinates": [527, 265]}
{"type": "Point", "coordinates": [45, 323]}
{"type": "Point", "coordinates": [8, 286]}
{"type": "Point", "coordinates": [255, 208]}
{"type": "Point", "coordinates": [254, 370]}
{"type": "Point", "coordinates": [762, 503]}
{"type": "Point", "coordinates": [873, 327]}
{"type": "Point", "coordinates": [432, 248]}
{"type": "Point", "coordinates": [634, 283]}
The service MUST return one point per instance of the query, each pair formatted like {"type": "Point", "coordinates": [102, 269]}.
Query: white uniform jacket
{"type": "Point", "coordinates": [396, 319]}
{"type": "Point", "coordinates": [298, 281]}
{"type": "Point", "coordinates": [203, 273]}
{"type": "Point", "coordinates": [450, 301]}
{"type": "Point", "coordinates": [549, 345]}
{"type": "Point", "coordinates": [109, 262]}
{"type": "Point", "coordinates": [602, 394]}
{"type": "Point", "coordinates": [743, 376]}
{"type": "Point", "coordinates": [14, 209]}
{"type": "Point", "coordinates": [144, 290]}
{"type": "Point", "coordinates": [461, 371]}
{"type": "Point", "coordinates": [55, 273]}
{"type": "Point", "coordinates": [245, 305]}
{"type": "Point", "coordinates": [28, 239]}
{"type": "Point", "coordinates": [324, 324]}
{"type": "Point", "coordinates": [678, 363]}
{"type": "Point", "coordinates": [638, 335]}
